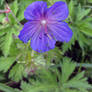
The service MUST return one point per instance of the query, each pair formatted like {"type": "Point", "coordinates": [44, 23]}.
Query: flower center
{"type": "Point", "coordinates": [43, 22]}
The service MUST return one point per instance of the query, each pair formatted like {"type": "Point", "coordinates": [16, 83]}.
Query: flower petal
{"type": "Point", "coordinates": [35, 10]}
{"type": "Point", "coordinates": [28, 31]}
{"type": "Point", "coordinates": [58, 11]}
{"type": "Point", "coordinates": [60, 31]}
{"type": "Point", "coordinates": [42, 43]}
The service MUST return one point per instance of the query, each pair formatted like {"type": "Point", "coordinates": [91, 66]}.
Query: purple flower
{"type": "Point", "coordinates": [45, 25]}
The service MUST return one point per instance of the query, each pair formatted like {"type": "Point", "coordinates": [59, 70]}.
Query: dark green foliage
{"type": "Point", "coordinates": [52, 80]}
{"type": "Point", "coordinates": [67, 68]}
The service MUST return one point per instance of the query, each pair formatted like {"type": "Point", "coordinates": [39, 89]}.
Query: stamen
{"type": "Point", "coordinates": [49, 36]}
{"type": "Point", "coordinates": [43, 22]}
{"type": "Point", "coordinates": [47, 32]}
{"type": "Point", "coordinates": [46, 29]}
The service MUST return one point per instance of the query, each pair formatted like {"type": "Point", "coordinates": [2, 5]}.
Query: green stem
{"type": "Point", "coordinates": [16, 19]}
{"type": "Point", "coordinates": [14, 16]}
{"type": "Point", "coordinates": [32, 54]}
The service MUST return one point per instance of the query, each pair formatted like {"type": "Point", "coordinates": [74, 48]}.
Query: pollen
{"type": "Point", "coordinates": [49, 36]}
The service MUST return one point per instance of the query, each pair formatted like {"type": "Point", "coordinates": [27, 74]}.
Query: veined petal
{"type": "Point", "coordinates": [30, 28]}
{"type": "Point", "coordinates": [35, 10]}
{"type": "Point", "coordinates": [42, 43]}
{"type": "Point", "coordinates": [60, 31]}
{"type": "Point", "coordinates": [58, 11]}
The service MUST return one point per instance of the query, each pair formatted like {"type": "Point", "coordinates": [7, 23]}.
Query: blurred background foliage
{"type": "Point", "coordinates": [67, 68]}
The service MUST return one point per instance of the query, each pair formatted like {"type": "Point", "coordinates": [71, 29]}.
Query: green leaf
{"type": "Point", "coordinates": [3, 29]}
{"type": "Point", "coordinates": [14, 7]}
{"type": "Point", "coordinates": [21, 13]}
{"type": "Point", "coordinates": [17, 72]}
{"type": "Point", "coordinates": [38, 87]}
{"type": "Point", "coordinates": [2, 17]}
{"type": "Point", "coordinates": [47, 83]}
{"type": "Point", "coordinates": [81, 13]}
{"type": "Point", "coordinates": [5, 63]}
{"type": "Point", "coordinates": [1, 2]}
{"type": "Point", "coordinates": [90, 1]}
{"type": "Point", "coordinates": [6, 88]}
{"type": "Point", "coordinates": [77, 82]}
{"type": "Point", "coordinates": [88, 19]}
{"type": "Point", "coordinates": [25, 87]}
{"type": "Point", "coordinates": [85, 28]}
{"type": "Point", "coordinates": [6, 39]}
{"type": "Point", "coordinates": [71, 8]}
{"type": "Point", "coordinates": [47, 80]}
{"type": "Point", "coordinates": [12, 19]}
{"type": "Point", "coordinates": [67, 72]}
{"type": "Point", "coordinates": [6, 44]}
{"type": "Point", "coordinates": [83, 40]}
